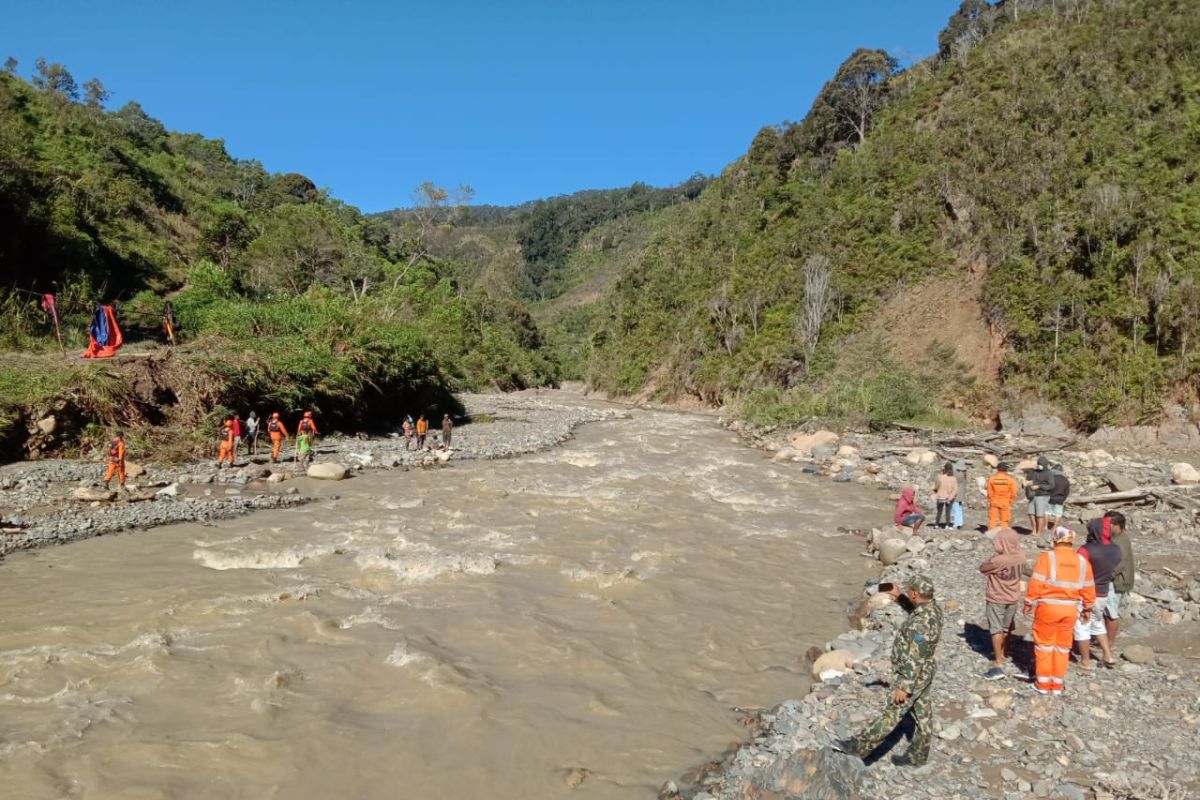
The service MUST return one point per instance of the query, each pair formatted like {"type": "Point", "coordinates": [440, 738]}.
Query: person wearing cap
{"type": "Point", "coordinates": [1041, 487]}
{"type": "Point", "coordinates": [1002, 491]}
{"type": "Point", "coordinates": [278, 432]}
{"type": "Point", "coordinates": [914, 668]}
{"type": "Point", "coordinates": [226, 438]}
{"type": "Point", "coordinates": [1061, 590]}
{"type": "Point", "coordinates": [1105, 557]}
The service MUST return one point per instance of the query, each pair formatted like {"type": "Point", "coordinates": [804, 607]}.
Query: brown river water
{"type": "Point", "coordinates": [474, 631]}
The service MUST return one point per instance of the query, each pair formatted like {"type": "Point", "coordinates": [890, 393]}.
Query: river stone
{"type": "Point", "coordinates": [847, 451]}
{"type": "Point", "coordinates": [328, 471]}
{"type": "Point", "coordinates": [1138, 654]}
{"type": "Point", "coordinates": [1184, 474]}
{"type": "Point", "coordinates": [835, 660]}
{"type": "Point", "coordinates": [805, 442]}
{"type": "Point", "coordinates": [806, 775]}
{"type": "Point", "coordinates": [168, 491]}
{"type": "Point", "coordinates": [1120, 483]}
{"type": "Point", "coordinates": [47, 425]}
{"type": "Point", "coordinates": [787, 454]}
{"type": "Point", "coordinates": [89, 494]}
{"type": "Point", "coordinates": [991, 460]}
{"type": "Point", "coordinates": [921, 457]}
{"type": "Point", "coordinates": [133, 470]}
{"type": "Point", "coordinates": [276, 477]}
{"type": "Point", "coordinates": [892, 550]}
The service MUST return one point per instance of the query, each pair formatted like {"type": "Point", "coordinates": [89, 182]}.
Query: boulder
{"type": "Point", "coordinates": [328, 471]}
{"type": "Point", "coordinates": [276, 477]}
{"type": "Point", "coordinates": [93, 495]}
{"type": "Point", "coordinates": [914, 545]}
{"type": "Point", "coordinates": [1025, 464]}
{"type": "Point", "coordinates": [991, 460]}
{"type": "Point", "coordinates": [133, 470]}
{"type": "Point", "coordinates": [805, 442]}
{"type": "Point", "coordinates": [1132, 436]}
{"type": "Point", "coordinates": [892, 550]}
{"type": "Point", "coordinates": [168, 491]}
{"type": "Point", "coordinates": [47, 425]}
{"type": "Point", "coordinates": [1138, 654]}
{"type": "Point", "coordinates": [879, 600]}
{"type": "Point", "coordinates": [921, 457]}
{"type": "Point", "coordinates": [1184, 474]}
{"type": "Point", "coordinates": [1120, 483]}
{"type": "Point", "coordinates": [846, 451]}
{"type": "Point", "coordinates": [804, 775]}
{"type": "Point", "coordinates": [1037, 419]}
{"type": "Point", "coordinates": [786, 454]}
{"type": "Point", "coordinates": [835, 660]}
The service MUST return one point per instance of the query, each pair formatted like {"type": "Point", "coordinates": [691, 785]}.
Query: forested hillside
{"type": "Point", "coordinates": [286, 297]}
{"type": "Point", "coordinates": [1016, 217]}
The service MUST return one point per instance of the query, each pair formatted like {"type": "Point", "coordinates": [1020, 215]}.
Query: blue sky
{"type": "Point", "coordinates": [519, 99]}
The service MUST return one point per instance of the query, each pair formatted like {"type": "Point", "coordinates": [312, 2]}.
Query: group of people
{"type": "Point", "coordinates": [1072, 596]}
{"type": "Point", "coordinates": [235, 432]}
{"type": "Point", "coordinates": [416, 432]}
{"type": "Point", "coordinates": [945, 492]}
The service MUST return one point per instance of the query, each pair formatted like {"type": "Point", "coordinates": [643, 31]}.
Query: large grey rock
{"type": "Point", "coordinates": [892, 550]}
{"type": "Point", "coordinates": [1037, 419]}
{"type": "Point", "coordinates": [1120, 483]}
{"type": "Point", "coordinates": [328, 471]}
{"type": "Point", "coordinates": [1138, 654]}
{"type": "Point", "coordinates": [90, 494]}
{"type": "Point", "coordinates": [805, 775]}
{"type": "Point", "coordinates": [1184, 474]}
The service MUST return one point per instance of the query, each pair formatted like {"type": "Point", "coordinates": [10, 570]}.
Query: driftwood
{"type": "Point", "coordinates": [1175, 496]}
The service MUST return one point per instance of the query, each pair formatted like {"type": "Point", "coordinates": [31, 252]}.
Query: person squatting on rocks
{"type": "Point", "coordinates": [1111, 528]}
{"type": "Point", "coordinates": [1058, 497]}
{"type": "Point", "coordinates": [447, 430]}
{"type": "Point", "coordinates": [945, 492]}
{"type": "Point", "coordinates": [278, 433]}
{"type": "Point", "coordinates": [1060, 590]}
{"type": "Point", "coordinates": [907, 513]}
{"type": "Point", "coordinates": [116, 460]}
{"type": "Point", "coordinates": [1104, 557]}
{"type": "Point", "coordinates": [227, 440]}
{"type": "Point", "coordinates": [1003, 571]}
{"type": "Point", "coordinates": [422, 431]}
{"type": "Point", "coordinates": [1002, 491]}
{"type": "Point", "coordinates": [914, 667]}
{"type": "Point", "coordinates": [252, 434]}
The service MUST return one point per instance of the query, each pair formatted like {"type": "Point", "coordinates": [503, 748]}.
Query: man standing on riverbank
{"type": "Point", "coordinates": [1002, 492]}
{"type": "Point", "coordinates": [914, 667]}
{"type": "Point", "coordinates": [447, 430]}
{"type": "Point", "coordinates": [422, 432]}
{"type": "Point", "coordinates": [226, 438]}
{"type": "Point", "coordinates": [116, 460]}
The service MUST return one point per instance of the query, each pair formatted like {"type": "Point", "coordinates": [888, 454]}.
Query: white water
{"type": "Point", "coordinates": [468, 632]}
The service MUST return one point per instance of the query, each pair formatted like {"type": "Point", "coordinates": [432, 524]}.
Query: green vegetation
{"type": "Point", "coordinates": [1049, 145]}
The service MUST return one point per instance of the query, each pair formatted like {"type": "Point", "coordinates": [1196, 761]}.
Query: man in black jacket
{"type": "Point", "coordinates": [1042, 485]}
{"type": "Point", "coordinates": [1058, 497]}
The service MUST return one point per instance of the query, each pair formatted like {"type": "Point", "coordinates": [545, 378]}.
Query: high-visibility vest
{"type": "Point", "coordinates": [1063, 581]}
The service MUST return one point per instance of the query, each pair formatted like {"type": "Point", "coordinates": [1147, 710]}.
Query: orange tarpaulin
{"type": "Point", "coordinates": [104, 335]}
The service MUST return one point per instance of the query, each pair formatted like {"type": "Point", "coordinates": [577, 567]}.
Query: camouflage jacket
{"type": "Point", "coordinates": [912, 649]}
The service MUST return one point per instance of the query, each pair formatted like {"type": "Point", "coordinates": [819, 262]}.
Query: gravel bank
{"type": "Point", "coordinates": [1116, 734]}
{"type": "Point", "coordinates": [58, 501]}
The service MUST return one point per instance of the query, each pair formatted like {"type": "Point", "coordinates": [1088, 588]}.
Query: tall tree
{"type": "Point", "coordinates": [845, 109]}
{"type": "Point", "coordinates": [10, 65]}
{"type": "Point", "coordinates": [55, 79]}
{"type": "Point", "coordinates": [94, 93]}
{"type": "Point", "coordinates": [963, 24]}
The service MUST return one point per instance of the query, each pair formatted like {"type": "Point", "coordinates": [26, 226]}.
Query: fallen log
{"type": "Point", "coordinates": [1175, 495]}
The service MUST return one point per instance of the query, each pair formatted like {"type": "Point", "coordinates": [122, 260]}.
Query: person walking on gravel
{"type": "Point", "coordinates": [227, 440]}
{"type": "Point", "coordinates": [252, 434]}
{"type": "Point", "coordinates": [1061, 590]}
{"type": "Point", "coordinates": [914, 668]}
{"type": "Point", "coordinates": [278, 433]}
{"type": "Point", "coordinates": [116, 460]}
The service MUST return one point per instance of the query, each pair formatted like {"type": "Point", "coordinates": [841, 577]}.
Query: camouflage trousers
{"type": "Point", "coordinates": [920, 705]}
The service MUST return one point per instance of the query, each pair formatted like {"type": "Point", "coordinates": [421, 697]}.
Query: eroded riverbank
{"type": "Point", "coordinates": [585, 616]}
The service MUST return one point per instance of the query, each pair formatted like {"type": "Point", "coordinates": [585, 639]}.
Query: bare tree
{"type": "Point", "coordinates": [818, 302]}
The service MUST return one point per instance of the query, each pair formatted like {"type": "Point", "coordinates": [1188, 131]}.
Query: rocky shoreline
{"type": "Point", "coordinates": [1117, 734]}
{"type": "Point", "coordinates": [56, 501]}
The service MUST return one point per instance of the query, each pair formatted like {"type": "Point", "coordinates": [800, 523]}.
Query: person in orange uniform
{"type": "Point", "coordinates": [228, 441]}
{"type": "Point", "coordinates": [278, 432]}
{"type": "Point", "coordinates": [116, 460]}
{"type": "Point", "coordinates": [1060, 590]}
{"type": "Point", "coordinates": [307, 425]}
{"type": "Point", "coordinates": [422, 431]}
{"type": "Point", "coordinates": [1002, 491]}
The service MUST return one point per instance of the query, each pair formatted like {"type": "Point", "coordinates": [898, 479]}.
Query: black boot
{"type": "Point", "coordinates": [903, 760]}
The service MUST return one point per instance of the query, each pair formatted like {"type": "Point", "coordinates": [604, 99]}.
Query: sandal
{"type": "Point", "coordinates": [1110, 664]}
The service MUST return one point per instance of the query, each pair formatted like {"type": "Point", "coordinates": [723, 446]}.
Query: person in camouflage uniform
{"type": "Point", "coordinates": [912, 661]}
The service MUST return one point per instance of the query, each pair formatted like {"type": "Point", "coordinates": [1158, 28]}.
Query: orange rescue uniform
{"type": "Point", "coordinates": [227, 443]}
{"type": "Point", "coordinates": [1061, 585]}
{"type": "Point", "coordinates": [116, 461]}
{"type": "Point", "coordinates": [278, 433]}
{"type": "Point", "coordinates": [1002, 492]}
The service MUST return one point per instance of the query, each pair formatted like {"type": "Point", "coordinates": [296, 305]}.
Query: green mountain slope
{"type": "Point", "coordinates": [1021, 219]}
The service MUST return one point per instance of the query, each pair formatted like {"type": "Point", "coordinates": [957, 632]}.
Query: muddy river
{"type": "Point", "coordinates": [473, 631]}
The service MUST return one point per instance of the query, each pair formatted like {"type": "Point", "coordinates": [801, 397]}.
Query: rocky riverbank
{"type": "Point", "coordinates": [1116, 734]}
{"type": "Point", "coordinates": [56, 501]}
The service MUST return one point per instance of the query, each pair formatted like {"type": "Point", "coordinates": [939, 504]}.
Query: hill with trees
{"type": "Point", "coordinates": [1013, 218]}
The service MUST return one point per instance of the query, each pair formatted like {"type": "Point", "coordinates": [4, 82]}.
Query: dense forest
{"type": "Point", "coordinates": [1014, 218]}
